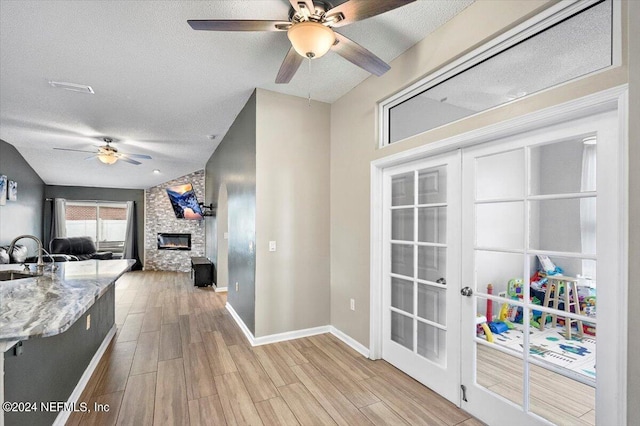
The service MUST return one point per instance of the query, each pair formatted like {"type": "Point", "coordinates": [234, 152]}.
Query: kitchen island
{"type": "Point", "coordinates": [53, 330]}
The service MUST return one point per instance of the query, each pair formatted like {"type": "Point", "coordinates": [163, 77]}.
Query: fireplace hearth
{"type": "Point", "coordinates": [168, 241]}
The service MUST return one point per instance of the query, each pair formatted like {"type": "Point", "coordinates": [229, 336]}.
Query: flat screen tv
{"type": "Point", "coordinates": [184, 202]}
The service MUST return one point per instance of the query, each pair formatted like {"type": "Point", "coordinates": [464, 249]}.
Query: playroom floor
{"type": "Point", "coordinates": [577, 354]}
{"type": "Point", "coordinates": [556, 397]}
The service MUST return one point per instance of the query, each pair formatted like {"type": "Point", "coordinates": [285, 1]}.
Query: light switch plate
{"type": "Point", "coordinates": [272, 246]}
{"type": "Point", "coordinates": [226, 235]}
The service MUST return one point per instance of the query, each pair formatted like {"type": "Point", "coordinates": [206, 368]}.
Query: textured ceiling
{"type": "Point", "coordinates": [160, 87]}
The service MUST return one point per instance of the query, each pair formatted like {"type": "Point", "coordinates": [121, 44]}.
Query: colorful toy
{"type": "Point", "coordinates": [514, 289]}
{"type": "Point", "coordinates": [481, 324]}
{"type": "Point", "coordinates": [588, 306]}
{"type": "Point", "coordinates": [504, 316]}
{"type": "Point", "coordinates": [498, 327]}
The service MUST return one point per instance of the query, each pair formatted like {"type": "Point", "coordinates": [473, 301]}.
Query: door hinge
{"type": "Point", "coordinates": [464, 393]}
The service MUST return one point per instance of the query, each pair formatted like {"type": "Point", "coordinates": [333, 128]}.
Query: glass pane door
{"type": "Point", "coordinates": [421, 306]}
{"type": "Point", "coordinates": [532, 224]}
{"type": "Point", "coordinates": [535, 263]}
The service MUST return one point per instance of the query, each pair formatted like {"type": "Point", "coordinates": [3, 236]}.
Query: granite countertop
{"type": "Point", "coordinates": [49, 304]}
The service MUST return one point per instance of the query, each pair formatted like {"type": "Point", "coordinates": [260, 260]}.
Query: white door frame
{"type": "Point", "coordinates": [615, 99]}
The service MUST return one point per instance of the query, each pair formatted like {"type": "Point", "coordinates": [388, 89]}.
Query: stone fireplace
{"type": "Point", "coordinates": [173, 241]}
{"type": "Point", "coordinates": [166, 247]}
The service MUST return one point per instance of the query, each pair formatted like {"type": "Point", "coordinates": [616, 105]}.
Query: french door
{"type": "Point", "coordinates": [421, 315]}
{"type": "Point", "coordinates": [541, 225]}
{"type": "Point", "coordinates": [501, 275]}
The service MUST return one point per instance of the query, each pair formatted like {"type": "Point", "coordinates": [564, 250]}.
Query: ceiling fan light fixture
{"type": "Point", "coordinates": [107, 158]}
{"type": "Point", "coordinates": [311, 39]}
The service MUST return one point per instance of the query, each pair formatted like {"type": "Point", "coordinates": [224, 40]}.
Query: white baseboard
{"type": "Point", "coordinates": [350, 341]}
{"type": "Point", "coordinates": [63, 416]}
{"type": "Point", "coordinates": [290, 335]}
{"type": "Point", "coordinates": [221, 289]}
{"type": "Point", "coordinates": [296, 334]}
{"type": "Point", "coordinates": [273, 338]}
{"type": "Point", "coordinates": [241, 324]}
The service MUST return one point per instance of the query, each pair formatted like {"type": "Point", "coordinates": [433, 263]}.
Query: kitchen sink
{"type": "Point", "coordinates": [15, 275]}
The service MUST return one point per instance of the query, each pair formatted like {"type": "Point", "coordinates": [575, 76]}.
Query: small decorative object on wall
{"type": "Point", "coordinates": [13, 191]}
{"type": "Point", "coordinates": [3, 190]}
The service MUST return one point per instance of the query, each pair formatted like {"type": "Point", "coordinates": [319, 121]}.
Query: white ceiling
{"type": "Point", "coordinates": [160, 87]}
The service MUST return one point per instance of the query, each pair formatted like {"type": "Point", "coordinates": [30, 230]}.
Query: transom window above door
{"type": "Point", "coordinates": [562, 44]}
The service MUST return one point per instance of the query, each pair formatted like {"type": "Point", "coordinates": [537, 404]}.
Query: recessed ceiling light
{"type": "Point", "coordinates": [156, 171]}
{"type": "Point", "coordinates": [82, 88]}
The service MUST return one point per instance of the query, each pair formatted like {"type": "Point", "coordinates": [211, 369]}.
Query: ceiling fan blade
{"type": "Point", "coordinates": [308, 4]}
{"type": "Point", "coordinates": [358, 55]}
{"type": "Point", "coordinates": [91, 157]}
{"type": "Point", "coordinates": [128, 160]}
{"type": "Point", "coordinates": [357, 10]}
{"type": "Point", "coordinates": [145, 157]}
{"type": "Point", "coordinates": [75, 150]}
{"type": "Point", "coordinates": [238, 25]}
{"type": "Point", "coordinates": [289, 66]}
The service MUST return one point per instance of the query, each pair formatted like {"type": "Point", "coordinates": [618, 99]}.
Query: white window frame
{"type": "Point", "coordinates": [97, 205]}
{"type": "Point", "coordinates": [547, 18]}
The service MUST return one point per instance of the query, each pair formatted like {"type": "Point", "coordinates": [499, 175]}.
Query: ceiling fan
{"type": "Point", "coordinates": [109, 154]}
{"type": "Point", "coordinates": [310, 29]}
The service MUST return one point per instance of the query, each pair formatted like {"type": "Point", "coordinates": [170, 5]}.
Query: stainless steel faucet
{"type": "Point", "coordinates": [40, 264]}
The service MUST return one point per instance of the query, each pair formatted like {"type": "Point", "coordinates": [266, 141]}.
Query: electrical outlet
{"type": "Point", "coordinates": [236, 286]}
{"type": "Point", "coordinates": [352, 304]}
{"type": "Point", "coordinates": [88, 321]}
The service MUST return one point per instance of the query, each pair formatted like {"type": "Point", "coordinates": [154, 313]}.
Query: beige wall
{"type": "Point", "coordinates": [292, 208]}
{"type": "Point", "coordinates": [354, 145]}
{"type": "Point", "coordinates": [354, 141]}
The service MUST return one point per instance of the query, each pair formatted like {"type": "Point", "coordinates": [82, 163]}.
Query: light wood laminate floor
{"type": "Point", "coordinates": [179, 358]}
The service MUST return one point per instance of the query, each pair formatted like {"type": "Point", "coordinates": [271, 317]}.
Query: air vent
{"type": "Point", "coordinates": [72, 86]}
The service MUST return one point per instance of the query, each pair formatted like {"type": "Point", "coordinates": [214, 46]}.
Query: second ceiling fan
{"type": "Point", "coordinates": [310, 29]}
{"type": "Point", "coordinates": [108, 154]}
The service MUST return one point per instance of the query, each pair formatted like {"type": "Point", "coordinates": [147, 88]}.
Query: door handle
{"type": "Point", "coordinates": [466, 291]}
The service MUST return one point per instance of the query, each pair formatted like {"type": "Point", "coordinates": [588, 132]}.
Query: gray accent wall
{"type": "Point", "coordinates": [100, 194]}
{"type": "Point", "coordinates": [23, 216]}
{"type": "Point", "coordinates": [233, 164]}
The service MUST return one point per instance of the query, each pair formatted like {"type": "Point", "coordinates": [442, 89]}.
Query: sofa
{"type": "Point", "coordinates": [79, 248]}
{"type": "Point", "coordinates": [19, 255]}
